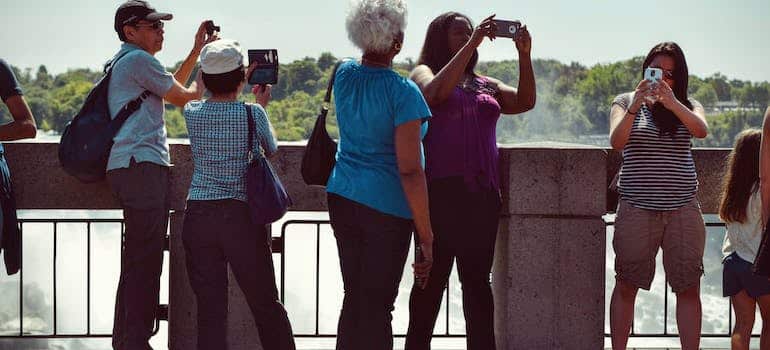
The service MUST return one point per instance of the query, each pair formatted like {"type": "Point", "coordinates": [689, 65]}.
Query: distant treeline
{"type": "Point", "coordinates": [573, 100]}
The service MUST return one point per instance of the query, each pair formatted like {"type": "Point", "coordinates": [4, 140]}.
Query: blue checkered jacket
{"type": "Point", "coordinates": [218, 134]}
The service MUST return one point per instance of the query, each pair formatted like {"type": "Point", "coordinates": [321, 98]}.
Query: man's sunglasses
{"type": "Point", "coordinates": [154, 25]}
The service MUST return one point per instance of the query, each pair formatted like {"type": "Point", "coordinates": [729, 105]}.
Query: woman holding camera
{"type": "Point", "coordinates": [218, 229]}
{"type": "Point", "coordinates": [657, 183]}
{"type": "Point", "coordinates": [462, 157]}
{"type": "Point", "coordinates": [376, 193]}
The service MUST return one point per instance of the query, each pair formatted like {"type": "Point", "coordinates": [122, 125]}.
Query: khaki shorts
{"type": "Point", "coordinates": [639, 233]}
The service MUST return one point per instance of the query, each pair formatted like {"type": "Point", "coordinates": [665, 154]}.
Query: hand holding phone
{"type": "Point", "coordinates": [265, 69]}
{"type": "Point", "coordinates": [211, 28]}
{"type": "Point", "coordinates": [423, 261]}
{"type": "Point", "coordinates": [507, 29]}
{"type": "Point", "coordinates": [653, 75]}
{"type": "Point", "coordinates": [262, 94]}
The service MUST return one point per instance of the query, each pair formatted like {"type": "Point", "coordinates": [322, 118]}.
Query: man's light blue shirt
{"type": "Point", "coordinates": [143, 136]}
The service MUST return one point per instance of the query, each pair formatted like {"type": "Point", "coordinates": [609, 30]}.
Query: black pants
{"type": "Point", "coordinates": [465, 227]}
{"type": "Point", "coordinates": [219, 232]}
{"type": "Point", "coordinates": [372, 247]}
{"type": "Point", "coordinates": [10, 235]}
{"type": "Point", "coordinates": [141, 190]}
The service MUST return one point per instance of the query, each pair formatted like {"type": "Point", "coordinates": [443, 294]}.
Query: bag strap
{"type": "Point", "coordinates": [251, 122]}
{"type": "Point", "coordinates": [329, 88]}
{"type": "Point", "coordinates": [108, 66]}
{"type": "Point", "coordinates": [133, 105]}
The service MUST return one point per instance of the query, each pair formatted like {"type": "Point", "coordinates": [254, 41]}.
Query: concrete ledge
{"type": "Point", "coordinates": [549, 265]}
{"type": "Point", "coordinates": [549, 181]}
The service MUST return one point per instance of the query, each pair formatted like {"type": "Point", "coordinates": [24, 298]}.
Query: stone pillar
{"type": "Point", "coordinates": [548, 275]}
{"type": "Point", "coordinates": [242, 333]}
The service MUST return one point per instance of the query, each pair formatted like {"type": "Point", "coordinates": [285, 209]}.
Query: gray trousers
{"type": "Point", "coordinates": [142, 190]}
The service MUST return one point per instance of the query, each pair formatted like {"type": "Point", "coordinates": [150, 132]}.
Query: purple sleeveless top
{"type": "Point", "coordinates": [462, 139]}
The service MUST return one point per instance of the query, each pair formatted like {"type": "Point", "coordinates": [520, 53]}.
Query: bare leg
{"type": "Point", "coordinates": [689, 317]}
{"type": "Point", "coordinates": [764, 309]}
{"type": "Point", "coordinates": [621, 313]}
{"type": "Point", "coordinates": [744, 308]}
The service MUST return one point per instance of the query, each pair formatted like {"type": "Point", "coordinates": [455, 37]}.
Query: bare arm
{"type": "Point", "coordinates": [694, 120]}
{"type": "Point", "coordinates": [23, 124]}
{"type": "Point", "coordinates": [621, 120]}
{"type": "Point", "coordinates": [182, 75]}
{"type": "Point", "coordinates": [523, 98]}
{"type": "Point", "coordinates": [764, 168]}
{"type": "Point", "coordinates": [436, 87]}
{"type": "Point", "coordinates": [408, 157]}
{"type": "Point", "coordinates": [179, 95]}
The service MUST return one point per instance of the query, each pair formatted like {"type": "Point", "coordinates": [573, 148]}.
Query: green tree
{"type": "Point", "coordinates": [601, 84]}
{"type": "Point", "coordinates": [326, 60]}
{"type": "Point", "coordinates": [721, 86]}
{"type": "Point", "coordinates": [42, 78]}
{"type": "Point", "coordinates": [706, 95]}
{"type": "Point", "coordinates": [67, 101]}
{"type": "Point", "coordinates": [175, 124]}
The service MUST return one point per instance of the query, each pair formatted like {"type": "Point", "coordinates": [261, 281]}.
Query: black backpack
{"type": "Point", "coordinates": [85, 145]}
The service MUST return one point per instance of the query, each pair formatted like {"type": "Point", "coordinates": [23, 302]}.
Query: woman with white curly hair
{"type": "Point", "coordinates": [377, 193]}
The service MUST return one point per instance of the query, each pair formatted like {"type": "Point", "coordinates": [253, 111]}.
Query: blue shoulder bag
{"type": "Point", "coordinates": [268, 199]}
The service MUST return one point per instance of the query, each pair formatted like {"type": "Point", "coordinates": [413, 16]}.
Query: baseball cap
{"type": "Point", "coordinates": [221, 56]}
{"type": "Point", "coordinates": [132, 11]}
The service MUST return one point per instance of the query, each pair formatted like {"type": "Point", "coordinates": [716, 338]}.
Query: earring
{"type": "Point", "coordinates": [397, 46]}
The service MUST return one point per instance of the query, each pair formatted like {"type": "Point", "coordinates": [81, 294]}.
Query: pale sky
{"type": "Point", "coordinates": [717, 35]}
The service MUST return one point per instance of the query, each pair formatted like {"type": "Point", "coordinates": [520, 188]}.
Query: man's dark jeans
{"type": "Point", "coordinates": [465, 226]}
{"type": "Point", "coordinates": [372, 247]}
{"type": "Point", "coordinates": [141, 189]}
{"type": "Point", "coordinates": [219, 232]}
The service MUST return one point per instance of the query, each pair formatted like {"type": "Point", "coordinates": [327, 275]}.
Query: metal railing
{"type": "Point", "coordinates": [279, 246]}
{"type": "Point", "coordinates": [162, 313]}
{"type": "Point", "coordinates": [317, 281]}
{"type": "Point", "coordinates": [665, 332]}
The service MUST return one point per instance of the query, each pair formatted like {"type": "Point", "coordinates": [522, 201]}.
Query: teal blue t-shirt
{"type": "Point", "coordinates": [371, 103]}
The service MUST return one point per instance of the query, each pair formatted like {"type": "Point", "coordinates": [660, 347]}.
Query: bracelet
{"type": "Point", "coordinates": [628, 111]}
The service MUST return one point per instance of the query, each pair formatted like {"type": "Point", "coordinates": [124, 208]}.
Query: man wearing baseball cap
{"type": "Point", "coordinates": [138, 166]}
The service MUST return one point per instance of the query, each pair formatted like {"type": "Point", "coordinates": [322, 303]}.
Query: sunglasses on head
{"type": "Point", "coordinates": [154, 25]}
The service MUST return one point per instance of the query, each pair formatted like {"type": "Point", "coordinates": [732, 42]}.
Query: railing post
{"type": "Point", "coordinates": [548, 275]}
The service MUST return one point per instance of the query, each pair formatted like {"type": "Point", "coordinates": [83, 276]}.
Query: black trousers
{"type": "Point", "coordinates": [10, 235]}
{"type": "Point", "coordinates": [141, 189]}
{"type": "Point", "coordinates": [465, 228]}
{"type": "Point", "coordinates": [372, 247]}
{"type": "Point", "coordinates": [220, 232]}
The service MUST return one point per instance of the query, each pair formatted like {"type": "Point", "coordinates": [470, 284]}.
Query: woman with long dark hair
{"type": "Point", "coordinates": [462, 157]}
{"type": "Point", "coordinates": [658, 208]}
{"type": "Point", "coordinates": [741, 210]}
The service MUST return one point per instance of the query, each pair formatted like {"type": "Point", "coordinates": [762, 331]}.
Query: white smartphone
{"type": "Point", "coordinates": [653, 75]}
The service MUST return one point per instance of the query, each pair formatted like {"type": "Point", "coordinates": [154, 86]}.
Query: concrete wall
{"type": "Point", "coordinates": [548, 276]}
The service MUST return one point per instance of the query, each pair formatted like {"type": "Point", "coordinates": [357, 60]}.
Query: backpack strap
{"type": "Point", "coordinates": [133, 105]}
{"type": "Point", "coordinates": [130, 107]}
{"type": "Point", "coordinates": [108, 66]}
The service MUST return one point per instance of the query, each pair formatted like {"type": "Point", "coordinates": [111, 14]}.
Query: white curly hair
{"type": "Point", "coordinates": [373, 25]}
